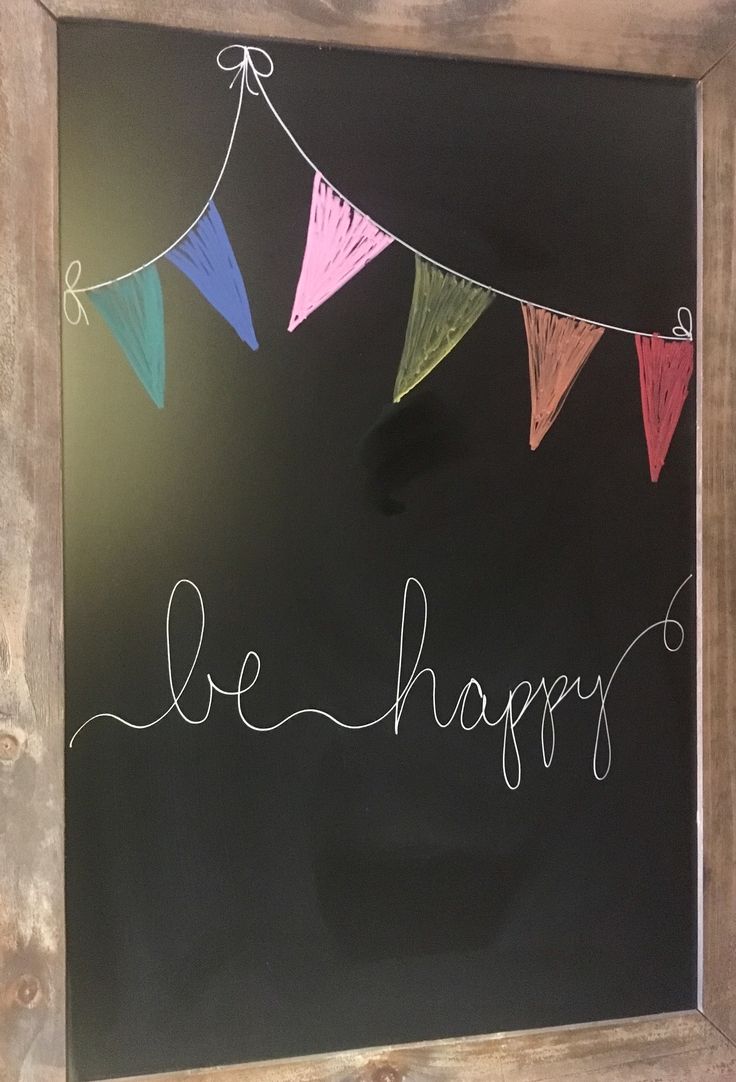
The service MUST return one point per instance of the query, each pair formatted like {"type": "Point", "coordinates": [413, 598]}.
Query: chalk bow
{"type": "Point", "coordinates": [247, 66]}
{"type": "Point", "coordinates": [684, 326]}
{"type": "Point", "coordinates": [71, 280]}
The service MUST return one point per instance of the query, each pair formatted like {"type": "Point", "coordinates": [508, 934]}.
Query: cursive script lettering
{"type": "Point", "coordinates": [471, 708]}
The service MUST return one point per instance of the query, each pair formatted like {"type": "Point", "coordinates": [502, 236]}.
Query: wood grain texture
{"type": "Point", "coordinates": [718, 558]}
{"type": "Point", "coordinates": [31, 731]}
{"type": "Point", "coordinates": [664, 37]}
{"type": "Point", "coordinates": [683, 37]}
{"type": "Point", "coordinates": [666, 1048]}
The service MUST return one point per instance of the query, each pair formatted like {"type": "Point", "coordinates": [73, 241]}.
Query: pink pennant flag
{"type": "Point", "coordinates": [665, 368]}
{"type": "Point", "coordinates": [340, 242]}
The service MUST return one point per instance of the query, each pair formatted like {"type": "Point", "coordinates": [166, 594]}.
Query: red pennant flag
{"type": "Point", "coordinates": [559, 346]}
{"type": "Point", "coordinates": [665, 368]}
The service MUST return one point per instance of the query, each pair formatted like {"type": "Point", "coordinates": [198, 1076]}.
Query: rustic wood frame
{"type": "Point", "coordinates": [687, 38]}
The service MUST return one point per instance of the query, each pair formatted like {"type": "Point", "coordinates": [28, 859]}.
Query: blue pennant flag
{"type": "Point", "coordinates": [206, 256]}
{"type": "Point", "coordinates": [133, 309]}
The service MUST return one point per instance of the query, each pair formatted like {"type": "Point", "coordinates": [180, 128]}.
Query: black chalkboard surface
{"type": "Point", "coordinates": [242, 891]}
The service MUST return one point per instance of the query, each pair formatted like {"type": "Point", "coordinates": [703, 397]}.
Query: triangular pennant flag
{"type": "Point", "coordinates": [340, 242]}
{"type": "Point", "coordinates": [558, 346]}
{"type": "Point", "coordinates": [206, 256]}
{"type": "Point", "coordinates": [665, 369]}
{"type": "Point", "coordinates": [133, 309]}
{"type": "Point", "coordinates": [443, 308]}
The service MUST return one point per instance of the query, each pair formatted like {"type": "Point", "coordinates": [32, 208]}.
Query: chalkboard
{"type": "Point", "coordinates": [242, 889]}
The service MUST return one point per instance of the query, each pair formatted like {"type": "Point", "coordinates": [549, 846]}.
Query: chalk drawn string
{"type": "Point", "coordinates": [679, 331]}
{"type": "Point", "coordinates": [253, 65]}
{"type": "Point", "coordinates": [242, 70]}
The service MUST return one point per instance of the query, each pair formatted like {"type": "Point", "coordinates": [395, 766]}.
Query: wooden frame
{"type": "Point", "coordinates": [688, 38]}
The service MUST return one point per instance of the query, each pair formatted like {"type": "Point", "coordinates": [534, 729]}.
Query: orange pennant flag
{"type": "Point", "coordinates": [559, 346]}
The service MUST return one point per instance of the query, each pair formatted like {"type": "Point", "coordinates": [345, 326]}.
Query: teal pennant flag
{"type": "Point", "coordinates": [133, 309]}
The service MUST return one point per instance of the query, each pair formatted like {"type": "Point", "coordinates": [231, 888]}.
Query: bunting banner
{"type": "Point", "coordinates": [206, 256]}
{"type": "Point", "coordinates": [558, 348]}
{"type": "Point", "coordinates": [443, 309]}
{"type": "Point", "coordinates": [665, 369]}
{"type": "Point", "coordinates": [341, 240]}
{"type": "Point", "coordinates": [133, 309]}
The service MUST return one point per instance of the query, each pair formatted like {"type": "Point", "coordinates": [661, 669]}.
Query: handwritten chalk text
{"type": "Point", "coordinates": [471, 708]}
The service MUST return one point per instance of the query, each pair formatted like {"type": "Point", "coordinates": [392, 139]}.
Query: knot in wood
{"type": "Point", "coordinates": [9, 747]}
{"type": "Point", "coordinates": [28, 991]}
{"type": "Point", "coordinates": [385, 1072]}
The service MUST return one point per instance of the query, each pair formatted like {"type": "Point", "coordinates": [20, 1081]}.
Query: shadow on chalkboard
{"type": "Point", "coordinates": [387, 887]}
{"type": "Point", "coordinates": [372, 899]}
{"type": "Point", "coordinates": [411, 439]}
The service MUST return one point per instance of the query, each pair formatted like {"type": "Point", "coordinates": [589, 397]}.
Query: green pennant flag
{"type": "Point", "coordinates": [443, 308]}
{"type": "Point", "coordinates": [133, 309]}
